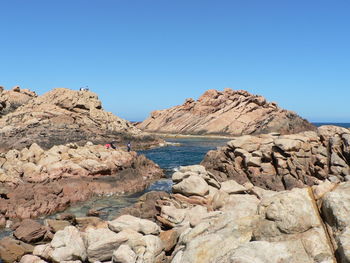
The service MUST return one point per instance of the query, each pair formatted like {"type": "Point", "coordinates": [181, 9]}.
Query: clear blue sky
{"type": "Point", "coordinates": [145, 55]}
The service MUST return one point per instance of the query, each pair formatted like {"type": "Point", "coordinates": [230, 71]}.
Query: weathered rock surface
{"type": "Point", "coordinates": [10, 100]}
{"type": "Point", "coordinates": [29, 231]}
{"type": "Point", "coordinates": [67, 245]}
{"type": "Point", "coordinates": [124, 254]}
{"type": "Point", "coordinates": [280, 162]}
{"type": "Point", "coordinates": [103, 244]}
{"type": "Point", "coordinates": [228, 112]}
{"type": "Point", "coordinates": [56, 225]}
{"type": "Point", "coordinates": [63, 116]}
{"type": "Point", "coordinates": [253, 226]}
{"type": "Point", "coordinates": [143, 226]}
{"type": "Point", "coordinates": [41, 182]}
{"type": "Point", "coordinates": [231, 223]}
{"type": "Point", "coordinates": [146, 206]}
{"type": "Point", "coordinates": [12, 250]}
{"type": "Point", "coordinates": [31, 259]}
{"type": "Point", "coordinates": [336, 211]}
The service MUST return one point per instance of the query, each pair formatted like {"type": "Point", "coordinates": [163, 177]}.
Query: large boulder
{"type": "Point", "coordinates": [143, 226]}
{"type": "Point", "coordinates": [336, 211]}
{"type": "Point", "coordinates": [68, 244]}
{"type": "Point", "coordinates": [266, 252]}
{"type": "Point", "coordinates": [12, 250]}
{"type": "Point", "coordinates": [201, 243]}
{"type": "Point", "coordinates": [31, 259]}
{"type": "Point", "coordinates": [228, 112]}
{"type": "Point", "coordinates": [124, 254]}
{"type": "Point", "coordinates": [30, 231]}
{"type": "Point", "coordinates": [102, 242]}
{"type": "Point", "coordinates": [193, 185]}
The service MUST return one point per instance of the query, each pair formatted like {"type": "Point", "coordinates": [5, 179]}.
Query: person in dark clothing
{"type": "Point", "coordinates": [113, 145]}
{"type": "Point", "coordinates": [129, 146]}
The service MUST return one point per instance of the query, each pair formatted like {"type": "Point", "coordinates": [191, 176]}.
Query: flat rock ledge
{"type": "Point", "coordinates": [37, 182]}
{"type": "Point", "coordinates": [280, 162]}
{"type": "Point", "coordinates": [210, 221]}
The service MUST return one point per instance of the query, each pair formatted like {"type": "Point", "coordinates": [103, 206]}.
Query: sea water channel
{"type": "Point", "coordinates": [188, 151]}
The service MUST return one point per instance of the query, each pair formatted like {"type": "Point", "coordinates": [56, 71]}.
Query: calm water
{"type": "Point", "coordinates": [190, 151]}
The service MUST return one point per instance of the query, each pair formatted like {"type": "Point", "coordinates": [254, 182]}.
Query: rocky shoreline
{"type": "Point", "coordinates": [37, 182]}
{"type": "Point", "coordinates": [247, 223]}
{"type": "Point", "coordinates": [274, 197]}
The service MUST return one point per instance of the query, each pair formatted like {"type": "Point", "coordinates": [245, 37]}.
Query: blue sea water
{"type": "Point", "coordinates": [341, 124]}
{"type": "Point", "coordinates": [189, 151]}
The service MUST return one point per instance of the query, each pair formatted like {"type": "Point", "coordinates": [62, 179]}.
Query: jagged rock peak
{"type": "Point", "coordinates": [228, 112]}
{"type": "Point", "coordinates": [10, 100]}
{"type": "Point", "coordinates": [62, 116]}
{"type": "Point", "coordinates": [70, 99]}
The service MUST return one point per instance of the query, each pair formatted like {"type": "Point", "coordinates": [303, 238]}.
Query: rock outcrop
{"type": "Point", "coordinates": [225, 113]}
{"type": "Point", "coordinates": [336, 211]}
{"type": "Point", "coordinates": [246, 223]}
{"type": "Point", "coordinates": [12, 250]}
{"type": "Point", "coordinates": [280, 162]}
{"type": "Point", "coordinates": [36, 182]}
{"type": "Point", "coordinates": [229, 223]}
{"type": "Point", "coordinates": [63, 116]}
{"type": "Point", "coordinates": [10, 100]}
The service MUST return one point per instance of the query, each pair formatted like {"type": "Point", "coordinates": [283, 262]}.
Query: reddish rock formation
{"type": "Point", "coordinates": [12, 250]}
{"type": "Point", "coordinates": [146, 206]}
{"type": "Point", "coordinates": [225, 113]}
{"type": "Point", "coordinates": [37, 182]}
{"type": "Point", "coordinates": [62, 116]}
{"type": "Point", "coordinates": [233, 223]}
{"type": "Point", "coordinates": [283, 162]}
{"type": "Point", "coordinates": [30, 231]}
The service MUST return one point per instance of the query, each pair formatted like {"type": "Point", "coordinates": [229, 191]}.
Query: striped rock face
{"type": "Point", "coordinates": [228, 112]}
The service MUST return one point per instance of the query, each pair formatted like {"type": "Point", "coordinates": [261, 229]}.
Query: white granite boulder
{"type": "Point", "coordinates": [68, 245]}
{"type": "Point", "coordinates": [143, 226]}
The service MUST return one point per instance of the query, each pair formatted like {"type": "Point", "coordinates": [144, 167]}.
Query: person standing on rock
{"type": "Point", "coordinates": [129, 146]}
{"type": "Point", "coordinates": [113, 145]}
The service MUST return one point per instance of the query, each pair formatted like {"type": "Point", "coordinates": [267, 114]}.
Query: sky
{"type": "Point", "coordinates": [140, 56]}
